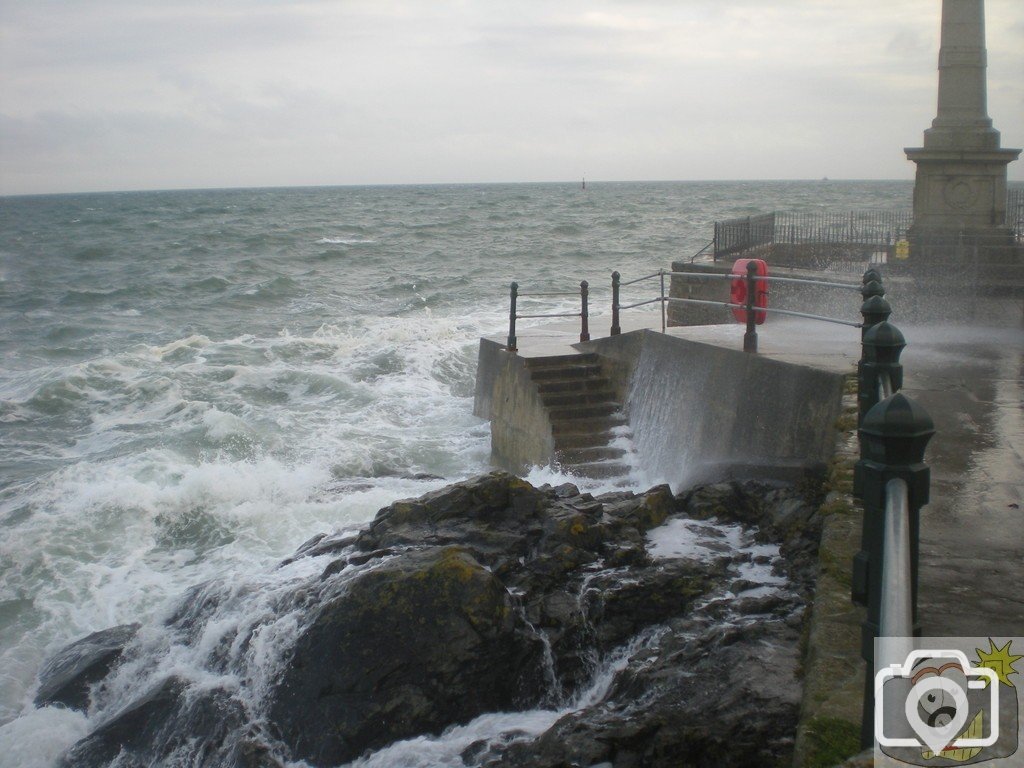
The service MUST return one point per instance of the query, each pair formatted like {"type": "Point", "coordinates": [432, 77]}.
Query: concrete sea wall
{"type": "Point", "coordinates": [505, 394]}
{"type": "Point", "coordinates": [698, 412]}
{"type": "Point", "coordinates": [701, 413]}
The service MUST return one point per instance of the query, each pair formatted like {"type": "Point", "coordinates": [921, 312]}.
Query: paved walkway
{"type": "Point", "coordinates": [971, 381]}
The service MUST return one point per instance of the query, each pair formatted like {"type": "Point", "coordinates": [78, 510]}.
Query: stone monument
{"type": "Point", "coordinates": [960, 188]}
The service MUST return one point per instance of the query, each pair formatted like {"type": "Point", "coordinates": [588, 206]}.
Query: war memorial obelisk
{"type": "Point", "coordinates": [960, 188]}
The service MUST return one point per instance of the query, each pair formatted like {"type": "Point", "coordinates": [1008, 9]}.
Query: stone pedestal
{"type": "Point", "coordinates": [960, 189]}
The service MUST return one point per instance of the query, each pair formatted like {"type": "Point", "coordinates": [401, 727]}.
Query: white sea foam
{"type": "Point", "coordinates": [37, 739]}
{"type": "Point", "coordinates": [682, 537]}
{"type": "Point", "coordinates": [704, 540]}
{"type": "Point", "coordinates": [344, 241]}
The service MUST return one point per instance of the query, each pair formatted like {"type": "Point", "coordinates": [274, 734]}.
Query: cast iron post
{"type": "Point", "coordinates": [616, 330]}
{"type": "Point", "coordinates": [584, 321]}
{"type": "Point", "coordinates": [870, 275]}
{"type": "Point", "coordinates": [880, 355]}
{"type": "Point", "coordinates": [514, 292]}
{"type": "Point", "coordinates": [750, 337]}
{"type": "Point", "coordinates": [874, 310]}
{"type": "Point", "coordinates": [893, 438]}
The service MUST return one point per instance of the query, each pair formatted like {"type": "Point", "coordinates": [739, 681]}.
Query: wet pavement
{"type": "Point", "coordinates": [971, 381]}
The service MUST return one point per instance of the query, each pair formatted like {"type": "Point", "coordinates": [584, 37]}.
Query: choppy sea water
{"type": "Point", "coordinates": [194, 383]}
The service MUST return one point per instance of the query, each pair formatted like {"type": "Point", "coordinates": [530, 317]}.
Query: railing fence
{"type": "Point", "coordinates": [513, 314]}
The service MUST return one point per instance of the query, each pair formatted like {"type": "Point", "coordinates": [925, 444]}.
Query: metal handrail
{"type": "Point", "coordinates": [770, 310]}
{"type": "Point", "coordinates": [749, 341]}
{"type": "Point", "coordinates": [550, 293]}
{"type": "Point", "coordinates": [710, 244]}
{"type": "Point", "coordinates": [513, 315]}
{"type": "Point", "coordinates": [641, 279]}
{"type": "Point", "coordinates": [885, 388]}
{"type": "Point", "coordinates": [896, 617]}
{"type": "Point", "coordinates": [896, 606]}
{"type": "Point", "coordinates": [553, 314]}
{"type": "Point", "coordinates": [757, 278]}
{"type": "Point", "coordinates": [641, 303]}
{"type": "Point", "coordinates": [766, 279]}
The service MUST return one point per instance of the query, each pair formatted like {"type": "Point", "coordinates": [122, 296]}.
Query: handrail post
{"type": "Point", "coordinates": [875, 308]}
{"type": "Point", "coordinates": [513, 292]}
{"type": "Point", "coordinates": [750, 337]}
{"type": "Point", "coordinates": [893, 438]}
{"type": "Point", "coordinates": [616, 329]}
{"type": "Point", "coordinates": [584, 322]}
{"type": "Point", "coordinates": [661, 274]}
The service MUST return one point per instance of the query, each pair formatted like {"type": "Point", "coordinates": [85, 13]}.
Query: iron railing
{"type": "Point", "coordinates": [874, 227]}
{"type": "Point", "coordinates": [1015, 213]}
{"type": "Point", "coordinates": [513, 315]}
{"type": "Point", "coordinates": [842, 241]}
{"type": "Point", "coordinates": [892, 483]}
{"type": "Point", "coordinates": [738, 235]}
{"type": "Point", "coordinates": [752, 281]}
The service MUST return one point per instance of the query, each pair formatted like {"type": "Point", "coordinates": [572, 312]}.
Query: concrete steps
{"type": "Point", "coordinates": [585, 414]}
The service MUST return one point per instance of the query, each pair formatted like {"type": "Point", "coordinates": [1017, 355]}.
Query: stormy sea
{"type": "Point", "coordinates": [195, 383]}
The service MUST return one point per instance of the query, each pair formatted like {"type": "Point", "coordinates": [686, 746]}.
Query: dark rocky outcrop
{"type": "Point", "coordinates": [445, 645]}
{"type": "Point", "coordinates": [65, 678]}
{"type": "Point", "coordinates": [162, 727]}
{"type": "Point", "coordinates": [492, 595]}
{"type": "Point", "coordinates": [706, 695]}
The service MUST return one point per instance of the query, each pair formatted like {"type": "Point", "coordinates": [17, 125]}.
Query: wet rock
{"type": "Point", "coordinates": [321, 544]}
{"type": "Point", "coordinates": [66, 677]}
{"type": "Point", "coordinates": [620, 608]}
{"type": "Point", "coordinates": [159, 728]}
{"type": "Point", "coordinates": [423, 641]}
{"type": "Point", "coordinates": [492, 595]}
{"type": "Point", "coordinates": [707, 697]}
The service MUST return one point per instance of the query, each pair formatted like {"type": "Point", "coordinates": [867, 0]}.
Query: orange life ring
{"type": "Point", "coordinates": [738, 290]}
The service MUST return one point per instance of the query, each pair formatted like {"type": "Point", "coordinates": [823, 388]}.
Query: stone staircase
{"type": "Point", "coordinates": [585, 415]}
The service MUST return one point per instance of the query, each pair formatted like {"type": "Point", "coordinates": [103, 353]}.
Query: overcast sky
{"type": "Point", "coordinates": [155, 94]}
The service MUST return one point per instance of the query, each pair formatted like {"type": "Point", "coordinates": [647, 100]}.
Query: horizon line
{"type": "Point", "coordinates": [575, 182]}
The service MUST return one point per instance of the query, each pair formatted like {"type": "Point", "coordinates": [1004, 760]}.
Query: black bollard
{"type": "Point", "coordinates": [616, 330]}
{"type": "Point", "coordinates": [513, 292]}
{"type": "Point", "coordinates": [880, 355]}
{"type": "Point", "coordinates": [872, 288]}
{"type": "Point", "coordinates": [874, 310]}
{"type": "Point", "coordinates": [893, 438]}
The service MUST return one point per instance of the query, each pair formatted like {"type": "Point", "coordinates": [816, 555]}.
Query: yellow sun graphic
{"type": "Point", "coordinates": [999, 660]}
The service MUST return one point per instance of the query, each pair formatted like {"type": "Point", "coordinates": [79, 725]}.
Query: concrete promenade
{"type": "Point", "coordinates": [971, 381]}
